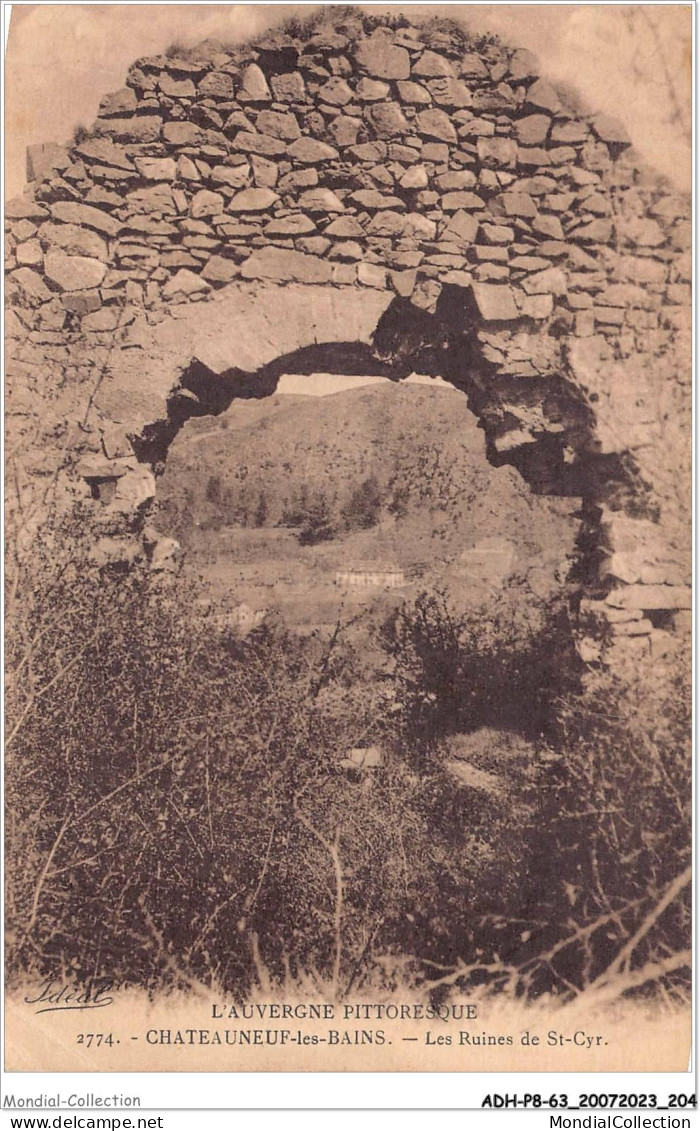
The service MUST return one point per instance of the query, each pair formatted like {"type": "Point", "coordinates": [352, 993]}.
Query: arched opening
{"type": "Point", "coordinates": [535, 414]}
{"type": "Point", "coordinates": [364, 497]}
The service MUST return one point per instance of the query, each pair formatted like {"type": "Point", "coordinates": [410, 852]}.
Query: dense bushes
{"type": "Point", "coordinates": [500, 665]}
{"type": "Point", "coordinates": [601, 811]}
{"type": "Point", "coordinates": [175, 794]}
{"type": "Point", "coordinates": [180, 804]}
{"type": "Point", "coordinates": [615, 799]}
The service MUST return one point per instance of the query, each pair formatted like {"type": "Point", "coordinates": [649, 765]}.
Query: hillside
{"type": "Point", "coordinates": [272, 497]}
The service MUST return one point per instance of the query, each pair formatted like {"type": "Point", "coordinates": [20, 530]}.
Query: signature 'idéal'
{"type": "Point", "coordinates": [56, 995]}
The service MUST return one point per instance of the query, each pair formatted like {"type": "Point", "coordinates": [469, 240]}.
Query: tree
{"type": "Point", "coordinates": [318, 525]}
{"type": "Point", "coordinates": [261, 511]}
{"type": "Point", "coordinates": [295, 511]}
{"type": "Point", "coordinates": [398, 504]}
{"type": "Point", "coordinates": [213, 490]}
{"type": "Point", "coordinates": [364, 506]}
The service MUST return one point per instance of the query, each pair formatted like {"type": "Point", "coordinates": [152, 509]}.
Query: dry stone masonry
{"type": "Point", "coordinates": [375, 199]}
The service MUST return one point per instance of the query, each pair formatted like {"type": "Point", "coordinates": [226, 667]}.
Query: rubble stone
{"type": "Point", "coordinates": [380, 59]}
{"type": "Point", "coordinates": [252, 200]}
{"type": "Point", "coordinates": [286, 266]}
{"type": "Point", "coordinates": [73, 272]}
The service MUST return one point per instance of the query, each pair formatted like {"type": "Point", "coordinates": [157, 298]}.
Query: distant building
{"type": "Point", "coordinates": [368, 575]}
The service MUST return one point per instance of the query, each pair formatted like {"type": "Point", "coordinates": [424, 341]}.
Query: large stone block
{"type": "Point", "coordinates": [206, 203]}
{"type": "Point", "coordinates": [651, 597]}
{"type": "Point", "coordinates": [551, 281]}
{"type": "Point", "coordinates": [75, 240]}
{"type": "Point", "coordinates": [308, 151]}
{"type": "Point", "coordinates": [461, 201]}
{"type": "Point", "coordinates": [518, 204]}
{"type": "Point", "coordinates": [29, 254]}
{"type": "Point", "coordinates": [462, 228]}
{"type": "Point", "coordinates": [176, 87]}
{"type": "Point", "coordinates": [542, 96]}
{"type": "Point", "coordinates": [533, 129]}
{"type": "Point", "coordinates": [286, 266]}
{"type": "Point", "coordinates": [537, 306]}
{"type": "Point", "coordinates": [185, 282]}
{"type": "Point", "coordinates": [610, 130]}
{"type": "Point", "coordinates": [320, 200]}
{"type": "Point", "coordinates": [158, 198]}
{"type": "Point", "coordinates": [472, 66]}
{"type": "Point", "coordinates": [84, 215]}
{"type": "Point", "coordinates": [413, 94]}
{"type": "Point", "coordinates": [253, 200]}
{"type": "Point", "coordinates": [374, 201]}
{"type": "Point", "coordinates": [336, 92]}
{"type": "Point", "coordinates": [344, 130]}
{"type": "Point", "coordinates": [494, 303]}
{"type": "Point", "coordinates": [288, 87]}
{"type": "Point", "coordinates": [278, 124]}
{"type": "Point", "coordinates": [182, 133]}
{"type": "Point", "coordinates": [217, 84]}
{"type": "Point", "coordinates": [118, 104]}
{"type": "Point", "coordinates": [140, 129]}
{"type": "Point", "coordinates": [497, 152]}
{"type": "Point", "coordinates": [298, 224]}
{"type": "Point", "coordinates": [449, 92]}
{"type": "Point", "coordinates": [73, 272]}
{"type": "Point", "coordinates": [31, 285]}
{"type": "Point", "coordinates": [156, 168]}
{"type": "Point", "coordinates": [263, 144]}
{"type": "Point", "coordinates": [81, 302]}
{"type": "Point", "coordinates": [102, 151]}
{"type": "Point", "coordinates": [25, 208]}
{"type": "Point", "coordinates": [220, 270]}
{"type": "Point", "coordinates": [253, 85]}
{"type": "Point", "coordinates": [524, 64]}
{"type": "Point", "coordinates": [380, 58]}
{"type": "Point", "coordinates": [387, 119]}
{"type": "Point", "coordinates": [436, 124]}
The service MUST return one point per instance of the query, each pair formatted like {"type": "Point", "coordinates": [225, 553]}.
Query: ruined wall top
{"type": "Point", "coordinates": [386, 156]}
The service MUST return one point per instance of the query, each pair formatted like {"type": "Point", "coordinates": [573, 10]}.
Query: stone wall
{"type": "Point", "coordinates": [374, 200]}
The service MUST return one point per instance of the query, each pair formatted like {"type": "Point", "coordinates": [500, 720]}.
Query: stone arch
{"type": "Point", "coordinates": [402, 195]}
{"type": "Point", "coordinates": [239, 345]}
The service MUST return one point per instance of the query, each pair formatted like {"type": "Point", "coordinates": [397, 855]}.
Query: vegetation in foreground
{"type": "Point", "coordinates": [181, 808]}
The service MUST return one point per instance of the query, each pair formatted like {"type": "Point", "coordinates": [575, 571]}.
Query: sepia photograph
{"type": "Point", "coordinates": [348, 482]}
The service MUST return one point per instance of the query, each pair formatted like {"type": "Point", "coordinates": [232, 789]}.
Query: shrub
{"type": "Point", "coordinates": [176, 798]}
{"type": "Point", "coordinates": [176, 50]}
{"type": "Point", "coordinates": [499, 664]}
{"type": "Point", "coordinates": [181, 807]}
{"type": "Point", "coordinates": [80, 134]}
{"type": "Point", "coordinates": [615, 804]}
